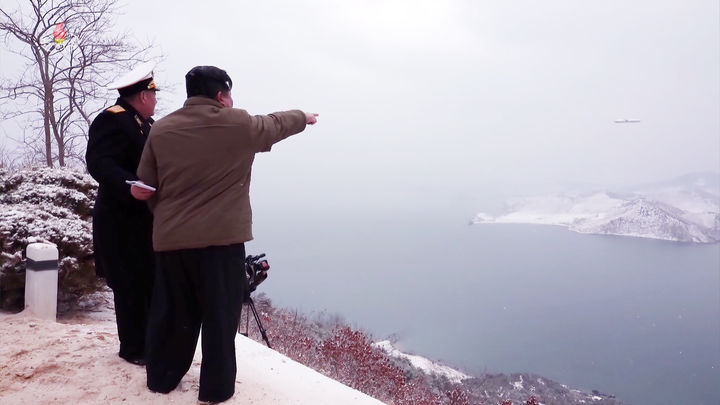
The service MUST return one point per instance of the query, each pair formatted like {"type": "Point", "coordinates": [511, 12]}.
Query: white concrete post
{"type": "Point", "coordinates": [41, 280]}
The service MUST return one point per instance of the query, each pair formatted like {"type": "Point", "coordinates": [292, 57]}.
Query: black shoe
{"type": "Point", "coordinates": [160, 391]}
{"type": "Point", "coordinates": [205, 401]}
{"type": "Point", "coordinates": [136, 360]}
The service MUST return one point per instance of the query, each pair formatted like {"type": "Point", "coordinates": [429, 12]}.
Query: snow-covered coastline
{"type": "Point", "coordinates": [683, 210]}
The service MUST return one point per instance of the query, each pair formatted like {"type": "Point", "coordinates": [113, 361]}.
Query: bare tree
{"type": "Point", "coordinates": [12, 157]}
{"type": "Point", "coordinates": [58, 90]}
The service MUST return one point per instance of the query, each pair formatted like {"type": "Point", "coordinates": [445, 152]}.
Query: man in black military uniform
{"type": "Point", "coordinates": [122, 225]}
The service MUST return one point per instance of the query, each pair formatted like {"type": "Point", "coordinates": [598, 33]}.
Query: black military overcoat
{"type": "Point", "coordinates": [122, 225]}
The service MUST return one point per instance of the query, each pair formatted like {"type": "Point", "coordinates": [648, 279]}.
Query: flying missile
{"type": "Point", "coordinates": [626, 121]}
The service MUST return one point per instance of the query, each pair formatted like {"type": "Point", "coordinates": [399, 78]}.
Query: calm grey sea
{"type": "Point", "coordinates": [636, 318]}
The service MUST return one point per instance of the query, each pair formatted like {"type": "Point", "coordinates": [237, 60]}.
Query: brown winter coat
{"type": "Point", "coordinates": [200, 159]}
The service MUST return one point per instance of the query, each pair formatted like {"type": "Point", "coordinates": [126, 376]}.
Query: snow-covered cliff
{"type": "Point", "coordinates": [686, 209]}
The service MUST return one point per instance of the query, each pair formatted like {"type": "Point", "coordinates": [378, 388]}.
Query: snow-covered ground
{"type": "Point", "coordinates": [49, 362]}
{"type": "Point", "coordinates": [685, 210]}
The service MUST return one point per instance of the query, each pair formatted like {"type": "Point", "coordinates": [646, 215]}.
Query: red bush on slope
{"type": "Point", "coordinates": [349, 357]}
{"type": "Point", "coordinates": [334, 349]}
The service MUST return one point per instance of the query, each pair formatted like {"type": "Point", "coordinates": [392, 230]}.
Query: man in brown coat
{"type": "Point", "coordinates": [199, 158]}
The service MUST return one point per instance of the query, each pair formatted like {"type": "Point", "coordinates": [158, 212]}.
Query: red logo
{"type": "Point", "coordinates": [59, 33]}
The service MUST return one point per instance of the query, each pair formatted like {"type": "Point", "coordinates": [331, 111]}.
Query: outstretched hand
{"type": "Point", "coordinates": [311, 118]}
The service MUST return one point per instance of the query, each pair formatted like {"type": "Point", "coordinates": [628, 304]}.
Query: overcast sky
{"type": "Point", "coordinates": [456, 98]}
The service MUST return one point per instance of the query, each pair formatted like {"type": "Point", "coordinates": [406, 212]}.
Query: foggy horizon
{"type": "Point", "coordinates": [454, 98]}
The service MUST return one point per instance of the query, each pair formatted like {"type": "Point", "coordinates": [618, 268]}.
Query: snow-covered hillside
{"type": "Point", "coordinates": [684, 210]}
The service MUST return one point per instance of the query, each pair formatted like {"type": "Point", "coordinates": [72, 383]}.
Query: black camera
{"type": "Point", "coordinates": [255, 271]}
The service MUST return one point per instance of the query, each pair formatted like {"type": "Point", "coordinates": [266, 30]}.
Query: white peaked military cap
{"type": "Point", "coordinates": [136, 80]}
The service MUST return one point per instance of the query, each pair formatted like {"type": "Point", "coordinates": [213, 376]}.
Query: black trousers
{"type": "Point", "coordinates": [123, 255]}
{"type": "Point", "coordinates": [131, 315]}
{"type": "Point", "coordinates": [193, 288]}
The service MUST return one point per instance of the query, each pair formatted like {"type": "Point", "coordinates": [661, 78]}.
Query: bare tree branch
{"type": "Point", "coordinates": [58, 89]}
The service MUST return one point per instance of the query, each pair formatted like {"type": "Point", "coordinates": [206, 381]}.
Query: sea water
{"type": "Point", "coordinates": [636, 318]}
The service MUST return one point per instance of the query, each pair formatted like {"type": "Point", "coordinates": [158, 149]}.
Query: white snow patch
{"type": "Point", "coordinates": [518, 385]}
{"type": "Point", "coordinates": [427, 366]}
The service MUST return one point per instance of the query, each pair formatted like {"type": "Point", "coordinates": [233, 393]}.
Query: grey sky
{"type": "Point", "coordinates": [457, 98]}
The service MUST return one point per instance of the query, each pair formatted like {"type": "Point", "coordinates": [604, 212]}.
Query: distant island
{"type": "Point", "coordinates": [686, 209]}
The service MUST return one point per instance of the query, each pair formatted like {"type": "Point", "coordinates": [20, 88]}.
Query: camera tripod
{"type": "Point", "coordinates": [263, 333]}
